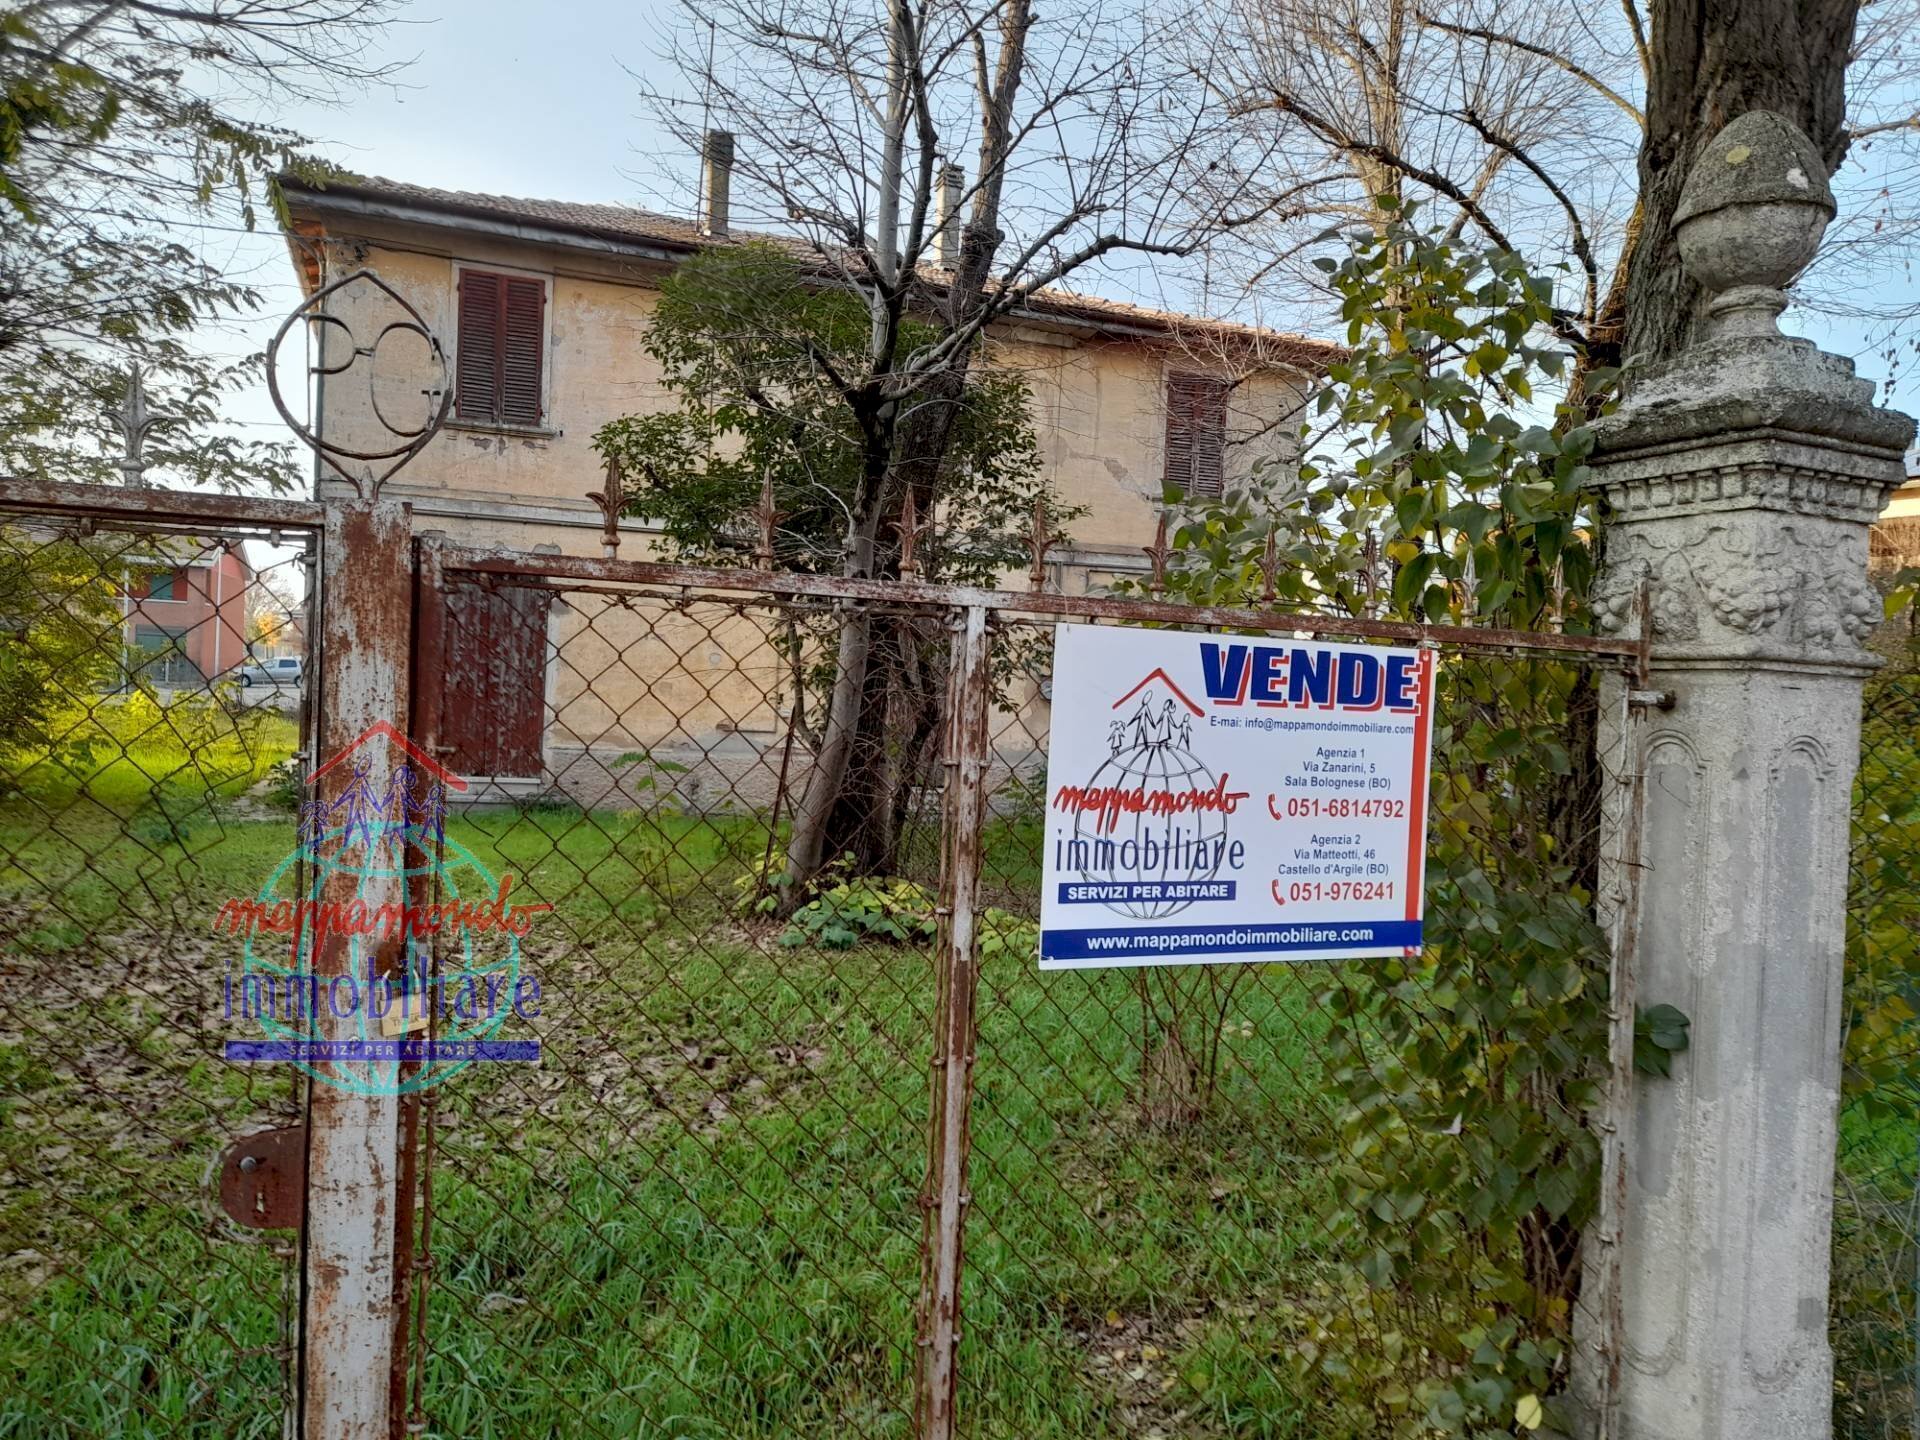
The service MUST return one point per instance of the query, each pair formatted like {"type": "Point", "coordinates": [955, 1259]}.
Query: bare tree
{"type": "Point", "coordinates": [1497, 112]}
{"type": "Point", "coordinates": [1071, 130]}
{"type": "Point", "coordinates": [1565, 130]}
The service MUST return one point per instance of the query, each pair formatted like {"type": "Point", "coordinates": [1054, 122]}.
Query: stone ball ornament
{"type": "Point", "coordinates": [1750, 218]}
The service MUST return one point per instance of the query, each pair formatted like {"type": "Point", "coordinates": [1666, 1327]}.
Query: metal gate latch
{"type": "Point", "coordinates": [263, 1179]}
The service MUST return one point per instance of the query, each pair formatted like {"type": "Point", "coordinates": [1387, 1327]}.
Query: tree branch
{"type": "Point", "coordinates": [1884, 127]}
{"type": "Point", "coordinates": [1632, 10]}
{"type": "Point", "coordinates": [1494, 37]}
{"type": "Point", "coordinates": [1581, 249]}
{"type": "Point", "coordinates": [1380, 154]}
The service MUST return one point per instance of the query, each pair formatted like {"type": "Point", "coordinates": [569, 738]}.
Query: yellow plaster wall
{"type": "Point", "coordinates": [1098, 403]}
{"type": "Point", "coordinates": [623, 679]}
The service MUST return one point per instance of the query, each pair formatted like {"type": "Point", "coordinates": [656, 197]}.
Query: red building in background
{"type": "Point", "coordinates": [186, 615]}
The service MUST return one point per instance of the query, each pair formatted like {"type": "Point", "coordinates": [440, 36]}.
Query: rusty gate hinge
{"type": "Point", "coordinates": [263, 1179]}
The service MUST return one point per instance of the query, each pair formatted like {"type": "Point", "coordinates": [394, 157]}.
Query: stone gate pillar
{"type": "Point", "coordinates": [1743, 476]}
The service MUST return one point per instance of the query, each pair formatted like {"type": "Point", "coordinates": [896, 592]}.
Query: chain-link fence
{"type": "Point", "coordinates": [1266, 1200]}
{"type": "Point", "coordinates": [700, 1214]}
{"type": "Point", "coordinates": [714, 1207]}
{"type": "Point", "coordinates": [1876, 1257]}
{"type": "Point", "coordinates": [1194, 1181]}
{"type": "Point", "coordinates": [151, 703]}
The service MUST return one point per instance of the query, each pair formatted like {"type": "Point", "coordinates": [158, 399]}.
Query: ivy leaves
{"type": "Point", "coordinates": [1659, 1034]}
{"type": "Point", "coordinates": [1444, 484]}
{"type": "Point", "coordinates": [1438, 435]}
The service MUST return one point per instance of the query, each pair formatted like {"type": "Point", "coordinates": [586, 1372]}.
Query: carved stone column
{"type": "Point", "coordinates": [1743, 477]}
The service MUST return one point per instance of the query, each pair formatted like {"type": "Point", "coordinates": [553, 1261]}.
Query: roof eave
{"type": "Point", "coordinates": [344, 200]}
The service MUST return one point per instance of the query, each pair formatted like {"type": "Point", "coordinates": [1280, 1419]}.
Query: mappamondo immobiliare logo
{"type": "Point", "coordinates": [454, 925]}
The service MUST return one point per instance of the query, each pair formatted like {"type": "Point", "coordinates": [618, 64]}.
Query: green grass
{"type": "Point", "coordinates": [698, 1216]}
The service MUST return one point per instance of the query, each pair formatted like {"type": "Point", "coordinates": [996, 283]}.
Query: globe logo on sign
{"type": "Point", "coordinates": [455, 990]}
{"type": "Point", "coordinates": [1155, 820]}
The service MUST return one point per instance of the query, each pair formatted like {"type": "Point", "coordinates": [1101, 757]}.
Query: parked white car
{"type": "Point", "coordinates": [280, 670]}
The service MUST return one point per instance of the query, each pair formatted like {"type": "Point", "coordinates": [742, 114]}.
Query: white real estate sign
{"type": "Point", "coordinates": [1218, 798]}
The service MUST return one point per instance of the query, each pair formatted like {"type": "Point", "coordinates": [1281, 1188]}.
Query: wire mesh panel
{"type": "Point", "coordinates": [1159, 1152]}
{"type": "Point", "coordinates": [1876, 1257]}
{"type": "Point", "coordinates": [700, 1213]}
{"type": "Point", "coordinates": [152, 689]}
{"type": "Point", "coordinates": [717, 1205]}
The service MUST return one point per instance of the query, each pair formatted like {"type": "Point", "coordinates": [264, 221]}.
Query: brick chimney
{"type": "Point", "coordinates": [716, 182]}
{"type": "Point", "coordinates": [946, 239]}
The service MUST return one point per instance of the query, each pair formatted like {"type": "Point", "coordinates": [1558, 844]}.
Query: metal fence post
{"type": "Point", "coordinates": [413, 1209]}
{"type": "Point", "coordinates": [945, 1198]}
{"type": "Point", "coordinates": [347, 1262]}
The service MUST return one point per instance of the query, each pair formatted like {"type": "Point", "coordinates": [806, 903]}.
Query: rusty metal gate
{"type": "Point", "coordinates": [791, 1176]}
{"type": "Point", "coordinates": [857, 1168]}
{"type": "Point", "coordinates": [148, 1282]}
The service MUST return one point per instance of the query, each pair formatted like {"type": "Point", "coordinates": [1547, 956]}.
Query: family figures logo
{"type": "Point", "coordinates": [429, 935]}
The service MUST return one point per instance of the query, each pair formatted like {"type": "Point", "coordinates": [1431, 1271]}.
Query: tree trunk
{"type": "Point", "coordinates": [853, 794]}
{"type": "Point", "coordinates": [811, 846]}
{"type": "Point", "coordinates": [860, 817]}
{"type": "Point", "coordinates": [814, 839]}
{"type": "Point", "coordinates": [1714, 60]}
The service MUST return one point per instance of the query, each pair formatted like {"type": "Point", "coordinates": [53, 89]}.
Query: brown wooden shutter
{"type": "Point", "coordinates": [522, 311]}
{"type": "Point", "coordinates": [502, 337]}
{"type": "Point", "coordinates": [476, 385]}
{"type": "Point", "coordinates": [1197, 434]}
{"type": "Point", "coordinates": [494, 680]}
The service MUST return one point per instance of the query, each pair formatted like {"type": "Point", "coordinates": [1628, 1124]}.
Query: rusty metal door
{"type": "Point", "coordinates": [494, 679]}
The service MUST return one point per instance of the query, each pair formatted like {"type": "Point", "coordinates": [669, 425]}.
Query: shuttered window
{"type": "Point", "coordinates": [502, 327]}
{"type": "Point", "coordinates": [1197, 434]}
{"type": "Point", "coordinates": [161, 585]}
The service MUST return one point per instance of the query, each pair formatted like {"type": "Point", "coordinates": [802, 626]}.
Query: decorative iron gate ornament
{"type": "Point", "coordinates": [411, 439]}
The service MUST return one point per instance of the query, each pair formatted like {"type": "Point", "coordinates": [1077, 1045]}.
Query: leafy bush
{"type": "Point", "coordinates": [1872, 1302]}
{"type": "Point", "coordinates": [899, 912]}
{"type": "Point", "coordinates": [59, 622]}
{"type": "Point", "coordinates": [1443, 486]}
{"type": "Point", "coordinates": [286, 786]}
{"type": "Point", "coordinates": [1004, 936]}
{"type": "Point", "coordinates": [1883, 914]}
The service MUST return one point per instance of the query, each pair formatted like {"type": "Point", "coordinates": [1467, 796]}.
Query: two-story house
{"type": "Point", "coordinates": [1896, 539]}
{"type": "Point", "coordinates": [544, 306]}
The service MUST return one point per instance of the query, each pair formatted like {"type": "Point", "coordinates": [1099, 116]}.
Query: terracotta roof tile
{"type": "Point", "coordinates": [612, 221]}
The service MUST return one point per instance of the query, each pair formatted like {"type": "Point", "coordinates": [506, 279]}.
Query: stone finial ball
{"type": "Point", "coordinates": [1754, 206]}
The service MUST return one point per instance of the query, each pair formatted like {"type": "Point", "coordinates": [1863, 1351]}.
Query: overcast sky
{"type": "Point", "coordinates": [540, 98]}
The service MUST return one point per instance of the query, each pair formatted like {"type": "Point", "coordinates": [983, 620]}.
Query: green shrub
{"type": "Point", "coordinates": [286, 785]}
{"type": "Point", "coordinates": [898, 912]}
{"type": "Point", "coordinates": [57, 600]}
{"type": "Point", "coordinates": [1461, 1164]}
